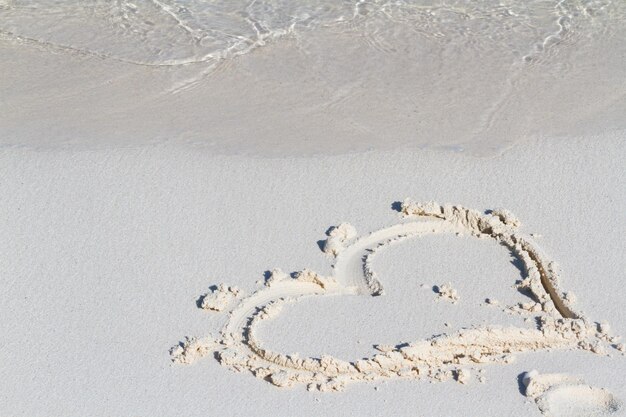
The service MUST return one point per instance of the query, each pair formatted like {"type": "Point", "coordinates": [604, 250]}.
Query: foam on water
{"type": "Point", "coordinates": [167, 32]}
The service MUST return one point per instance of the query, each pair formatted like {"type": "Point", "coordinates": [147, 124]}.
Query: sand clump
{"type": "Point", "coordinates": [506, 217]}
{"type": "Point", "coordinates": [192, 349]}
{"type": "Point", "coordinates": [457, 355]}
{"type": "Point", "coordinates": [463, 376]}
{"type": "Point", "coordinates": [276, 275]}
{"type": "Point", "coordinates": [446, 292]}
{"type": "Point", "coordinates": [481, 376]}
{"type": "Point", "coordinates": [338, 238]}
{"type": "Point", "coordinates": [219, 298]}
{"type": "Point", "coordinates": [306, 275]}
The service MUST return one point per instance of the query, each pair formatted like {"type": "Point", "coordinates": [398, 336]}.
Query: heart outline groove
{"type": "Point", "coordinates": [559, 325]}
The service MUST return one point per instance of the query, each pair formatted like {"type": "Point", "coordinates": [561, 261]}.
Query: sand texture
{"type": "Point", "coordinates": [404, 307]}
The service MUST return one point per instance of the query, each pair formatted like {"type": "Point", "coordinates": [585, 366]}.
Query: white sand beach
{"type": "Point", "coordinates": [106, 253]}
{"type": "Point", "coordinates": [327, 216]}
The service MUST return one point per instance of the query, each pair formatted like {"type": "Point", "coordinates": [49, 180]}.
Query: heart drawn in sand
{"type": "Point", "coordinates": [558, 324]}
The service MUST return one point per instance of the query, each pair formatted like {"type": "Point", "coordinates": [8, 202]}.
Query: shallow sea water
{"type": "Point", "coordinates": [282, 77]}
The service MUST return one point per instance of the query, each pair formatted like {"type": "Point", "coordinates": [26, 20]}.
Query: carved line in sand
{"type": "Point", "coordinates": [559, 324]}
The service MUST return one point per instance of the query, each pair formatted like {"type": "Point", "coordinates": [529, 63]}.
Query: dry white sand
{"type": "Point", "coordinates": [106, 254]}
